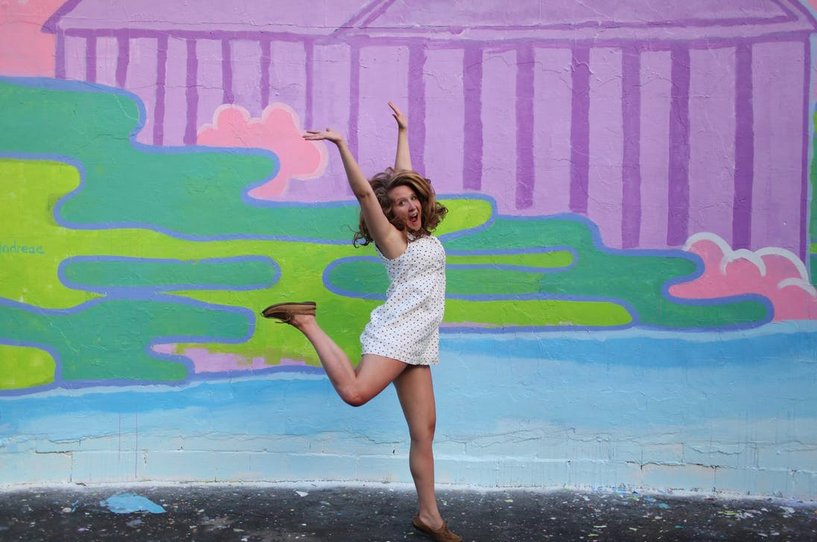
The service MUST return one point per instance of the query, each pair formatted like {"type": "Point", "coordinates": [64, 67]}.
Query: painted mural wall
{"type": "Point", "coordinates": [629, 242]}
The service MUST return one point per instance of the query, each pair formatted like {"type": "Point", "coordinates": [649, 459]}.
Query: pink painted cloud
{"type": "Point", "coordinates": [775, 273]}
{"type": "Point", "coordinates": [278, 130]}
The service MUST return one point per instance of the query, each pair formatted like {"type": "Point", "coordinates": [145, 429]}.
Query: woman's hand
{"type": "Point", "coordinates": [329, 135]}
{"type": "Point", "coordinates": [402, 121]}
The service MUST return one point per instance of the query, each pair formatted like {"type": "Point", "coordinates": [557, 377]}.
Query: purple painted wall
{"type": "Point", "coordinates": [655, 121]}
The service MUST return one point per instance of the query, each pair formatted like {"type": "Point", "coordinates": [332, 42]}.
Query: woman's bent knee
{"type": "Point", "coordinates": [354, 399]}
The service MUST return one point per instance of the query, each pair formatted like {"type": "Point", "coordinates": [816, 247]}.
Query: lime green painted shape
{"type": "Point", "coordinates": [136, 273]}
{"type": "Point", "coordinates": [29, 190]}
{"type": "Point", "coordinates": [25, 367]}
{"type": "Point", "coordinates": [539, 312]}
{"type": "Point", "coordinates": [464, 214]}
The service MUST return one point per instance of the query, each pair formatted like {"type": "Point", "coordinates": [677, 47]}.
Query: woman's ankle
{"type": "Point", "coordinates": [303, 322]}
{"type": "Point", "coordinates": [431, 518]}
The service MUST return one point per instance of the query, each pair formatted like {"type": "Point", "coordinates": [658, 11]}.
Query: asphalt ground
{"type": "Point", "coordinates": [309, 512]}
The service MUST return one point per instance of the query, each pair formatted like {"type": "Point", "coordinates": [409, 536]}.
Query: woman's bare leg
{"type": "Point", "coordinates": [416, 392]}
{"type": "Point", "coordinates": [355, 386]}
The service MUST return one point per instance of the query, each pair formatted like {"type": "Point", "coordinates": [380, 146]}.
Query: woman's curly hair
{"type": "Point", "coordinates": [382, 183]}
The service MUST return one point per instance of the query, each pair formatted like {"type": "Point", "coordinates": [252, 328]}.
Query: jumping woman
{"type": "Point", "coordinates": [398, 212]}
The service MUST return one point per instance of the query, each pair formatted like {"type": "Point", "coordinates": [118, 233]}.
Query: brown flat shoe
{"type": "Point", "coordinates": [285, 312]}
{"type": "Point", "coordinates": [440, 535]}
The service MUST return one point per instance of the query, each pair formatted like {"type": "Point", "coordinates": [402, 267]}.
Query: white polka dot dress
{"type": "Point", "coordinates": [407, 326]}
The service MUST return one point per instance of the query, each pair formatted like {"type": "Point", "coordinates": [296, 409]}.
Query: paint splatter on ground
{"type": "Point", "coordinates": [311, 513]}
{"type": "Point", "coordinates": [128, 503]}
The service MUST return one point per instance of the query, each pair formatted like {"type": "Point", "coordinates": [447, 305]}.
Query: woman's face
{"type": "Point", "coordinates": [406, 207]}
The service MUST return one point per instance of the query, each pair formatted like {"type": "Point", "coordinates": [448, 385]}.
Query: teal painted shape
{"type": "Point", "coordinates": [108, 339]}
{"type": "Point", "coordinates": [105, 274]}
{"type": "Point", "coordinates": [193, 192]}
{"type": "Point", "coordinates": [813, 261]}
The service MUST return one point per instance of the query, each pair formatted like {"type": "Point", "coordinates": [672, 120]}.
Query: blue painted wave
{"type": "Point", "coordinates": [604, 380]}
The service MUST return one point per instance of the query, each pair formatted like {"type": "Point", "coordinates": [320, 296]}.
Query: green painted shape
{"type": "Point", "coordinates": [189, 192]}
{"type": "Point", "coordinates": [537, 312]}
{"type": "Point", "coordinates": [134, 272]}
{"type": "Point", "coordinates": [633, 278]}
{"type": "Point", "coordinates": [25, 367]}
{"type": "Point", "coordinates": [108, 339]}
{"type": "Point", "coordinates": [463, 214]}
{"type": "Point", "coordinates": [484, 281]}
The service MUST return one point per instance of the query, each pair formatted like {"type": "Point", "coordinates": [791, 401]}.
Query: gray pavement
{"type": "Point", "coordinates": [381, 512]}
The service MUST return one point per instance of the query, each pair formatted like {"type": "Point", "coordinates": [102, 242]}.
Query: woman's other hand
{"type": "Point", "coordinates": [329, 135]}
{"type": "Point", "coordinates": [402, 121]}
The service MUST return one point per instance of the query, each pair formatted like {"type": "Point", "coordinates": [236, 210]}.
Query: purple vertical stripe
{"type": "Point", "coordinates": [161, 79]}
{"type": "Point", "coordinates": [580, 131]}
{"type": "Point", "coordinates": [227, 72]}
{"type": "Point", "coordinates": [309, 48]}
{"type": "Point", "coordinates": [744, 149]}
{"type": "Point", "coordinates": [192, 93]}
{"type": "Point", "coordinates": [524, 127]}
{"type": "Point", "coordinates": [122, 59]}
{"type": "Point", "coordinates": [59, 68]}
{"type": "Point", "coordinates": [807, 142]}
{"type": "Point", "coordinates": [631, 162]}
{"type": "Point", "coordinates": [417, 106]}
{"type": "Point", "coordinates": [472, 130]}
{"type": "Point", "coordinates": [90, 59]}
{"type": "Point", "coordinates": [678, 199]}
{"type": "Point", "coordinates": [354, 98]}
{"type": "Point", "coordinates": [266, 47]}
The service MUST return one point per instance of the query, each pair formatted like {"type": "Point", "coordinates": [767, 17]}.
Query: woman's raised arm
{"type": "Point", "coordinates": [357, 181]}
{"type": "Point", "coordinates": [386, 236]}
{"type": "Point", "coordinates": [403, 159]}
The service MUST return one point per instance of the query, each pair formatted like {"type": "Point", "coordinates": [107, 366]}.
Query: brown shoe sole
{"type": "Point", "coordinates": [286, 311]}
